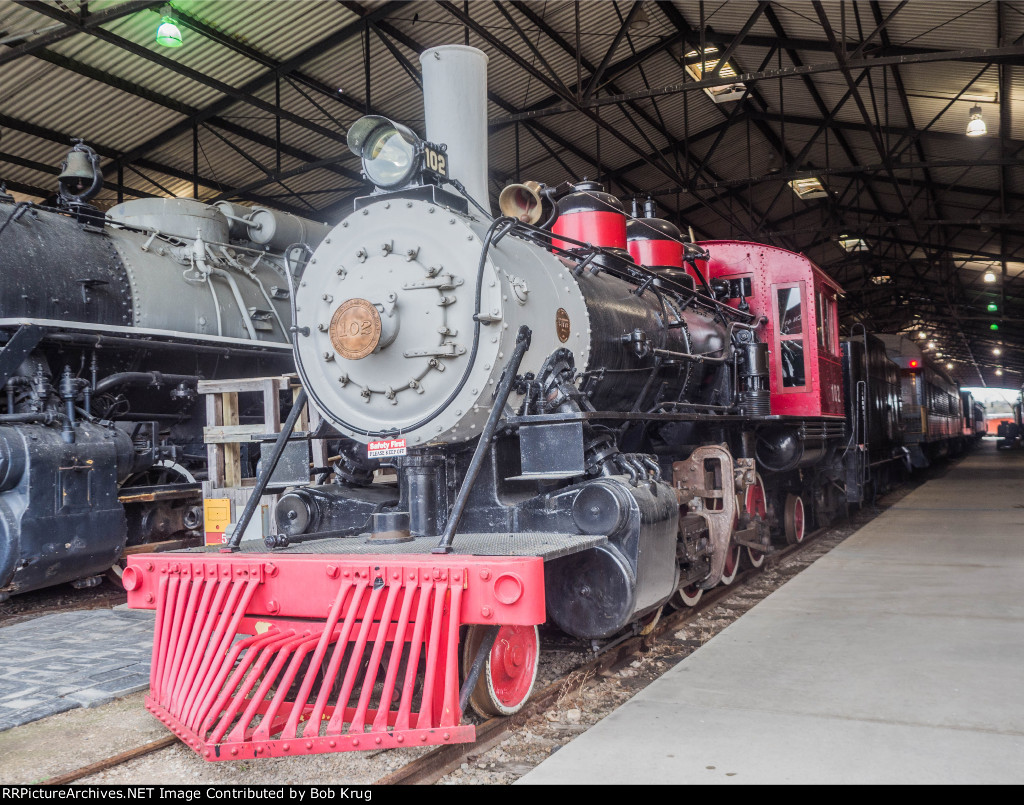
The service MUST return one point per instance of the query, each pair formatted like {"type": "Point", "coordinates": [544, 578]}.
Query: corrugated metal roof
{"type": "Point", "coordinates": [141, 104]}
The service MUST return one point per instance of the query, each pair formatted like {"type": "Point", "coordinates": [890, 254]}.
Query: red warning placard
{"type": "Point", "coordinates": [386, 448]}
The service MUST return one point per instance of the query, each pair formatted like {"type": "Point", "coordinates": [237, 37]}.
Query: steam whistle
{"type": "Point", "coordinates": [522, 201]}
{"type": "Point", "coordinates": [525, 201]}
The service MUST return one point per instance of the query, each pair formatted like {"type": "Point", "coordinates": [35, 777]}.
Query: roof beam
{"type": "Point", "coordinates": [214, 109]}
{"type": "Point", "coordinates": [232, 93]}
{"type": "Point", "coordinates": [114, 154]}
{"type": "Point", "coordinates": [85, 25]}
{"type": "Point", "coordinates": [230, 126]}
{"type": "Point", "coordinates": [735, 41]}
{"type": "Point", "coordinates": [843, 125]}
{"type": "Point", "coordinates": [988, 55]}
{"type": "Point", "coordinates": [598, 74]}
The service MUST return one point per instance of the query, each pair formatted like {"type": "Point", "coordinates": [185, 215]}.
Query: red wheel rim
{"type": "Point", "coordinates": [686, 597]}
{"type": "Point", "coordinates": [732, 564]}
{"type": "Point", "coordinates": [731, 560]}
{"type": "Point", "coordinates": [513, 664]}
{"type": "Point", "coordinates": [756, 504]}
{"type": "Point", "coordinates": [756, 500]}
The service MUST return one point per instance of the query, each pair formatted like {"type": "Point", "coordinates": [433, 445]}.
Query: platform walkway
{"type": "Point", "coordinates": [896, 658]}
{"type": "Point", "coordinates": [72, 659]}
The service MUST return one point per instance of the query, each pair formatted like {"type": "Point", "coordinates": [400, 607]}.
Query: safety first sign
{"type": "Point", "coordinates": [386, 448]}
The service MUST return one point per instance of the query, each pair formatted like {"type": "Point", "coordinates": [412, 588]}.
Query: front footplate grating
{"type": "Point", "coordinates": [311, 654]}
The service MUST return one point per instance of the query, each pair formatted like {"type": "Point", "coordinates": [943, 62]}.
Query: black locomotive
{"type": "Point", "coordinates": [107, 323]}
{"type": "Point", "coordinates": [577, 422]}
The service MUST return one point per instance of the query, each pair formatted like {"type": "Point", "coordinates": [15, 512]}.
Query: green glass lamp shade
{"type": "Point", "coordinates": [168, 34]}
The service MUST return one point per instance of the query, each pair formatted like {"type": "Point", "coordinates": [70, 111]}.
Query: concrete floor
{"type": "Point", "coordinates": [896, 658]}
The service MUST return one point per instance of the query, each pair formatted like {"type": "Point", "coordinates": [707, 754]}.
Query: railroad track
{"type": "Point", "coordinates": [433, 765]}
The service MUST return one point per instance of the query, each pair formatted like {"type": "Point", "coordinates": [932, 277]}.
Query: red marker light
{"type": "Point", "coordinates": [913, 364]}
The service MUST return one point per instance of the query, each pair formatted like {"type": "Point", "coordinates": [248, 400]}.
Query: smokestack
{"type": "Point", "coordinates": [455, 106]}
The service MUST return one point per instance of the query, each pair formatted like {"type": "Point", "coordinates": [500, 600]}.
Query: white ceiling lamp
{"type": "Point", "coordinates": [997, 351]}
{"type": "Point", "coordinates": [990, 276]}
{"type": "Point", "coordinates": [976, 125]}
{"type": "Point", "coordinates": [999, 372]}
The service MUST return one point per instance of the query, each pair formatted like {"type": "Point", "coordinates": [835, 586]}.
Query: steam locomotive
{"type": "Point", "coordinates": [586, 420]}
{"type": "Point", "coordinates": [107, 323]}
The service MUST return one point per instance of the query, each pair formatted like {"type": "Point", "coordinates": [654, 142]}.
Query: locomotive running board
{"type": "Point", "coordinates": [245, 664]}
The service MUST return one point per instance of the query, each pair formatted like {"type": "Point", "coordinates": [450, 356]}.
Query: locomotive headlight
{"type": "Point", "coordinates": [392, 154]}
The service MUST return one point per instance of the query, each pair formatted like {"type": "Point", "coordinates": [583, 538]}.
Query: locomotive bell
{"type": "Point", "coordinates": [521, 201]}
{"type": "Point", "coordinates": [80, 178]}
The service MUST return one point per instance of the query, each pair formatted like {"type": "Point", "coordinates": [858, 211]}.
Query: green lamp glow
{"type": "Point", "coordinates": [993, 326]}
{"type": "Point", "coordinates": [992, 307]}
{"type": "Point", "coordinates": [168, 34]}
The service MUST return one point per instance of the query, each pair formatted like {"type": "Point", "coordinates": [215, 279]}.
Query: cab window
{"type": "Point", "coordinates": [789, 302]}
{"type": "Point", "coordinates": [826, 321]}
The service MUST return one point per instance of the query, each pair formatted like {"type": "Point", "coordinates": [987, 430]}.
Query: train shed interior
{"type": "Point", "coordinates": [881, 139]}
{"type": "Point", "coordinates": [838, 350]}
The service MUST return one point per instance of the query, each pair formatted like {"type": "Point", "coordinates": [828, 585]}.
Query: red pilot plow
{"type": "Point", "coordinates": [308, 654]}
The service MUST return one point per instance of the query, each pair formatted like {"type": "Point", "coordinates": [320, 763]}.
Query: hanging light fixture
{"type": "Point", "coordinates": [992, 307]}
{"type": "Point", "coordinates": [640, 20]}
{"type": "Point", "coordinates": [999, 372]}
{"type": "Point", "coordinates": [993, 326]}
{"type": "Point", "coordinates": [168, 34]}
{"type": "Point", "coordinates": [976, 125]}
{"type": "Point", "coordinates": [990, 276]}
{"type": "Point", "coordinates": [997, 351]}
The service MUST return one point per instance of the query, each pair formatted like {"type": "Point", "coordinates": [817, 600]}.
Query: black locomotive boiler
{"type": "Point", "coordinates": [107, 322]}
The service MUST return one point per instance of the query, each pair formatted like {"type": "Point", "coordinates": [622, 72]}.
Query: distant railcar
{"type": "Point", "coordinates": [874, 416]}
{"type": "Point", "coordinates": [932, 407]}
